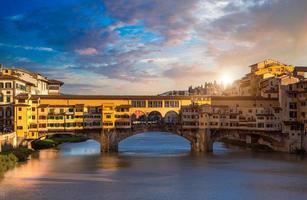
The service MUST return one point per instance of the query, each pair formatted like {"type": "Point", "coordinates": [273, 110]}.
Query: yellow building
{"type": "Point", "coordinates": [38, 115]}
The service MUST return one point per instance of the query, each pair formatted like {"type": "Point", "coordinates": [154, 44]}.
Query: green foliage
{"type": "Point", "coordinates": [73, 139]}
{"type": "Point", "coordinates": [43, 144]}
{"type": "Point", "coordinates": [54, 140]}
{"type": "Point", "coordinates": [7, 161]}
{"type": "Point", "coordinates": [21, 153]}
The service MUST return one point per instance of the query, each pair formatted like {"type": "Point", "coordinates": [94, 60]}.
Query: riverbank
{"type": "Point", "coordinates": [55, 140]}
{"type": "Point", "coordinates": [8, 159]}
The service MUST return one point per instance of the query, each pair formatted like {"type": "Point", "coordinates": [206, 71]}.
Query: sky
{"type": "Point", "coordinates": [149, 46]}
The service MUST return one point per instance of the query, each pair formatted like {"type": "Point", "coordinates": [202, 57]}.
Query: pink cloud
{"type": "Point", "coordinates": [87, 51]}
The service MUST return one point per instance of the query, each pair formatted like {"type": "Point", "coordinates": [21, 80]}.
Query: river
{"type": "Point", "coordinates": [156, 166]}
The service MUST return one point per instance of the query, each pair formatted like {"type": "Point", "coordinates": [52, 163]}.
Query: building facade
{"type": "Point", "coordinates": [14, 81]}
{"type": "Point", "coordinates": [269, 102]}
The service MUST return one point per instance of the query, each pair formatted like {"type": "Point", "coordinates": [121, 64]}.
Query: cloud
{"type": "Point", "coordinates": [150, 45]}
{"type": "Point", "coordinates": [274, 29]}
{"type": "Point", "coordinates": [48, 49]}
{"type": "Point", "coordinates": [173, 20]}
{"type": "Point", "coordinates": [87, 51]}
{"type": "Point", "coordinates": [184, 75]}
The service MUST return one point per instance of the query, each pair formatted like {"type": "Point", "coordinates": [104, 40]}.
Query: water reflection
{"type": "Point", "coordinates": [156, 166]}
{"type": "Point", "coordinates": [155, 144]}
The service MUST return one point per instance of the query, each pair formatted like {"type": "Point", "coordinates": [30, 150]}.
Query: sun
{"type": "Point", "coordinates": [226, 79]}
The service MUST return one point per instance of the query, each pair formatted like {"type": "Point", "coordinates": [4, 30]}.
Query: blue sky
{"type": "Point", "coordinates": [148, 46]}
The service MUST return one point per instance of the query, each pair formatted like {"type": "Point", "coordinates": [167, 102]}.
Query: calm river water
{"type": "Point", "coordinates": [156, 166]}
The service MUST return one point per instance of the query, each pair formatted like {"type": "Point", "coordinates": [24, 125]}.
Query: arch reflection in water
{"type": "Point", "coordinates": [90, 147]}
{"type": "Point", "coordinates": [155, 144]}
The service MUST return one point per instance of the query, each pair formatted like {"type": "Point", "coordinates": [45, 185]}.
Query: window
{"type": "Point", "coordinates": [8, 85]}
{"type": "Point", "coordinates": [19, 127]}
{"type": "Point", "coordinates": [8, 99]}
{"type": "Point", "coordinates": [292, 114]}
{"type": "Point", "coordinates": [138, 104]}
{"type": "Point", "coordinates": [1, 85]}
{"type": "Point", "coordinates": [292, 105]}
{"type": "Point", "coordinates": [1, 97]}
{"type": "Point", "coordinates": [42, 109]}
{"type": "Point", "coordinates": [33, 116]}
{"type": "Point", "coordinates": [33, 125]}
{"type": "Point", "coordinates": [42, 117]}
{"type": "Point", "coordinates": [33, 109]}
{"type": "Point", "coordinates": [8, 112]}
{"type": "Point", "coordinates": [19, 117]}
{"type": "Point", "coordinates": [260, 125]}
{"type": "Point", "coordinates": [155, 104]}
{"type": "Point", "coordinates": [171, 104]}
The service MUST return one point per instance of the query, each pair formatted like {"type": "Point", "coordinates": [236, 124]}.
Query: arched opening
{"type": "Point", "coordinates": [138, 117]}
{"type": "Point", "coordinates": [154, 143]}
{"type": "Point", "coordinates": [154, 117]}
{"type": "Point", "coordinates": [171, 117]}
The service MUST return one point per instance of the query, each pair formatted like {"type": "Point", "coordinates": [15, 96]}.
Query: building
{"type": "Point", "coordinates": [37, 115]}
{"type": "Point", "coordinates": [294, 118]}
{"type": "Point", "coordinates": [258, 81]}
{"type": "Point", "coordinates": [15, 81]}
{"type": "Point", "coordinates": [268, 106]}
{"type": "Point", "coordinates": [175, 93]}
{"type": "Point", "coordinates": [209, 89]}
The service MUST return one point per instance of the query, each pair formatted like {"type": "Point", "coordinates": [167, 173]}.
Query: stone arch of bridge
{"type": "Point", "coordinates": [199, 139]}
{"type": "Point", "coordinates": [171, 117]}
{"type": "Point", "coordinates": [154, 117]}
{"type": "Point", "coordinates": [123, 137]}
{"type": "Point", "coordinates": [250, 137]}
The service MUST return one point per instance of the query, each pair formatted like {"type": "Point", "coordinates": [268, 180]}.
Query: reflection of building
{"type": "Point", "coordinates": [19, 81]}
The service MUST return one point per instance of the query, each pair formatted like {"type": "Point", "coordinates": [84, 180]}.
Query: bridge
{"type": "Point", "coordinates": [111, 119]}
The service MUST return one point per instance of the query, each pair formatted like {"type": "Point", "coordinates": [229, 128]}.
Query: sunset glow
{"type": "Point", "coordinates": [226, 79]}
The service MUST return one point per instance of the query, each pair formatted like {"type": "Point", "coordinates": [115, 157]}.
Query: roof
{"type": "Point", "coordinates": [10, 77]}
{"type": "Point", "coordinates": [114, 97]}
{"type": "Point", "coordinates": [266, 60]}
{"type": "Point", "coordinates": [22, 96]}
{"type": "Point", "coordinates": [300, 68]}
{"type": "Point", "coordinates": [243, 98]}
{"type": "Point", "coordinates": [52, 81]}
